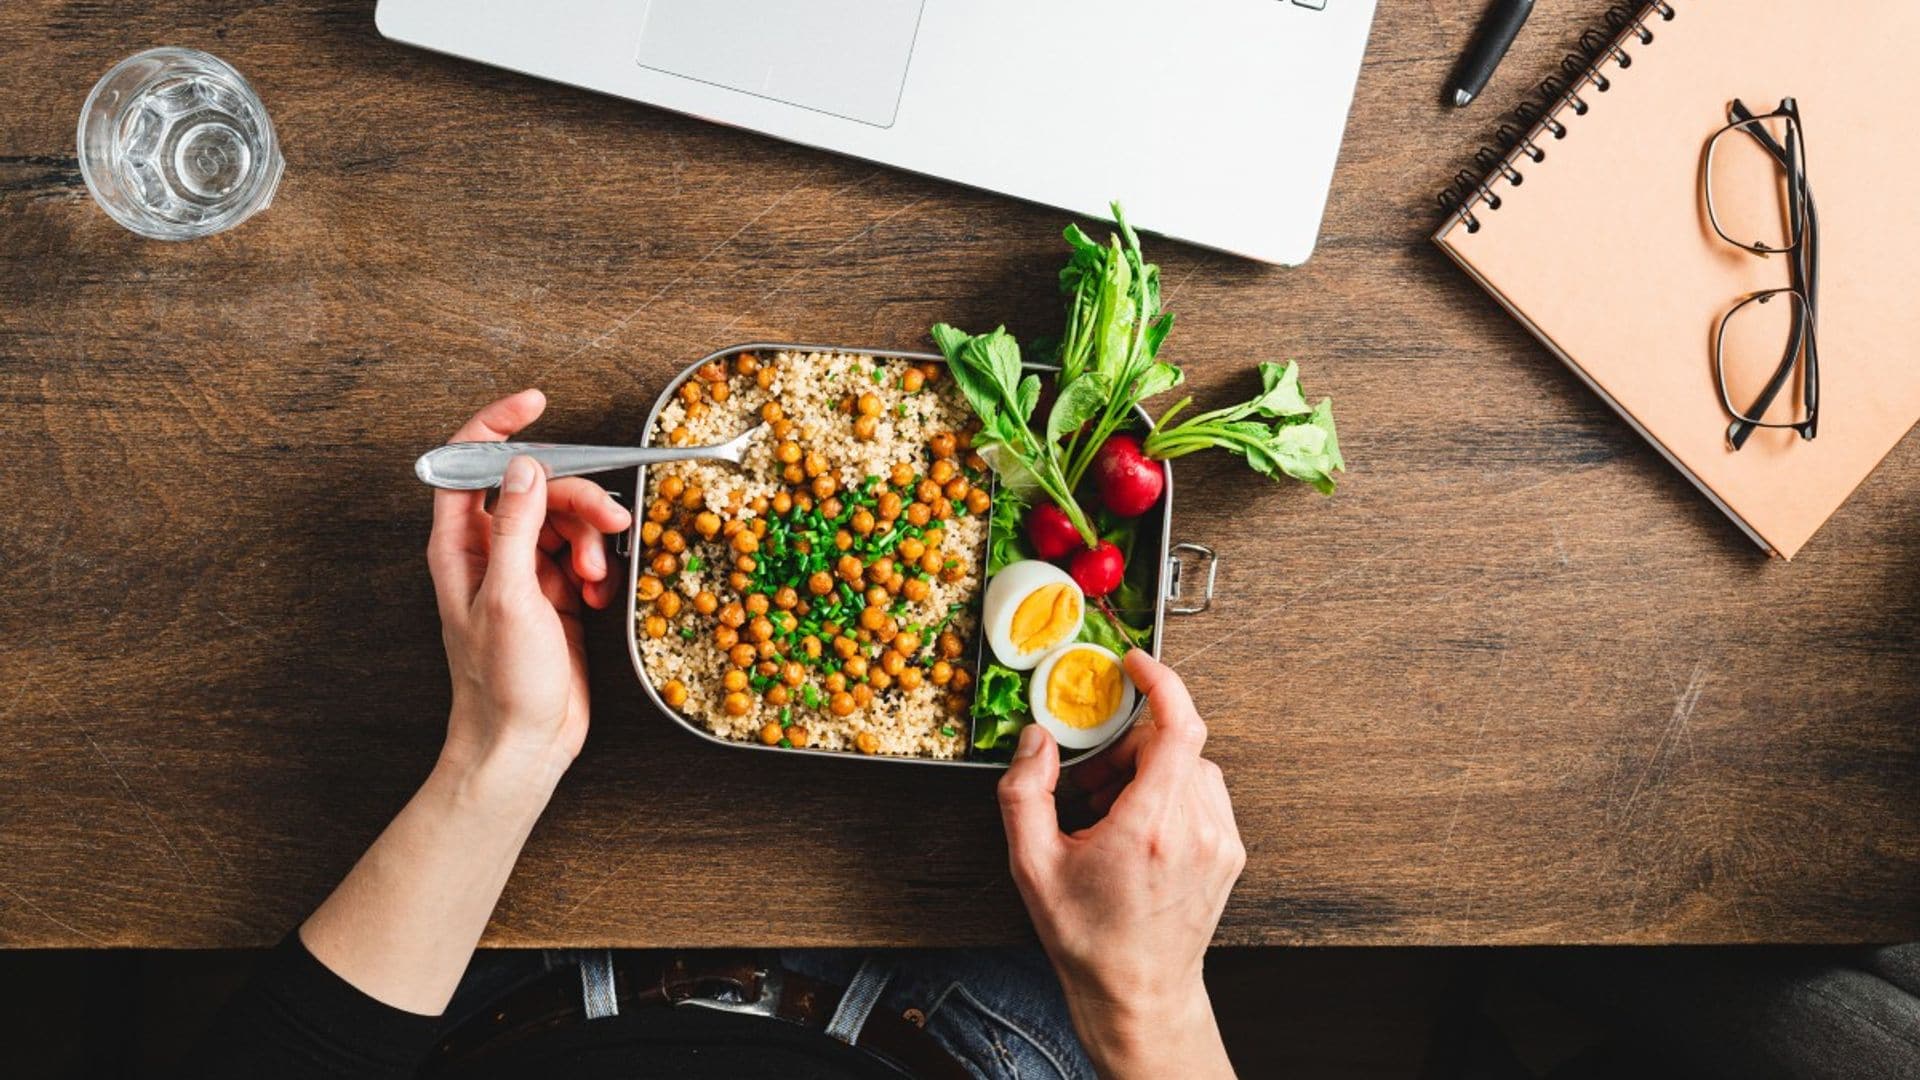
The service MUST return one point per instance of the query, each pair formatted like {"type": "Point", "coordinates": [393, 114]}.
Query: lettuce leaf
{"type": "Point", "coordinates": [999, 707]}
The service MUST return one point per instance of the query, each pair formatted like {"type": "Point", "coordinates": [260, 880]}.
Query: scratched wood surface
{"type": "Point", "coordinates": [1516, 683]}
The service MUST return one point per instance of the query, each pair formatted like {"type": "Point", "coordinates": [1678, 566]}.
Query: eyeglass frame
{"type": "Point", "coordinates": [1804, 250]}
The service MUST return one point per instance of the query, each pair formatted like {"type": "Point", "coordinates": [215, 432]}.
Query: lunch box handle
{"type": "Point", "coordinates": [1177, 602]}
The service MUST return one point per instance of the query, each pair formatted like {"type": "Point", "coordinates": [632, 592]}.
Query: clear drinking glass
{"type": "Point", "coordinates": [175, 145]}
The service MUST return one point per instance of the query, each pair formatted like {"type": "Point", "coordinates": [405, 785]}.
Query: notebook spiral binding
{"type": "Point", "coordinates": [1542, 119]}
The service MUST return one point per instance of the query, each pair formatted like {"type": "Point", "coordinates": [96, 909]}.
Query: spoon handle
{"type": "Point", "coordinates": [475, 466]}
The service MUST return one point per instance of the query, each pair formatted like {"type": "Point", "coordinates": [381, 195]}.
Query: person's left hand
{"type": "Point", "coordinates": [510, 582]}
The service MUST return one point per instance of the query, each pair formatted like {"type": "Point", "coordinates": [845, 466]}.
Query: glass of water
{"type": "Point", "coordinates": [175, 145]}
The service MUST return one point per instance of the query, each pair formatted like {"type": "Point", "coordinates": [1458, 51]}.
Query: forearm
{"type": "Point", "coordinates": [403, 925]}
{"type": "Point", "coordinates": [1138, 1039]}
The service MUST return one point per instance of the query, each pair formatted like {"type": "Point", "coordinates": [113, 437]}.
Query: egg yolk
{"type": "Point", "coordinates": [1084, 689]}
{"type": "Point", "coordinates": [1045, 617]}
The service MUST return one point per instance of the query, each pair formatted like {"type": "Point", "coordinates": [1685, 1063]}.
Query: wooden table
{"type": "Point", "coordinates": [1517, 682]}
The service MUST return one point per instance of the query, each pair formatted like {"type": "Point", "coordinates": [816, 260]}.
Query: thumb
{"type": "Point", "coordinates": [517, 517]}
{"type": "Point", "coordinates": [1026, 800]}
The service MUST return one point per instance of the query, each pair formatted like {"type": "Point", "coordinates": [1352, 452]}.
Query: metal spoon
{"type": "Point", "coordinates": [476, 466]}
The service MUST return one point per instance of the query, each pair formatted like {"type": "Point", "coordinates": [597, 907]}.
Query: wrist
{"type": "Point", "coordinates": [511, 781]}
{"type": "Point", "coordinates": [1151, 1033]}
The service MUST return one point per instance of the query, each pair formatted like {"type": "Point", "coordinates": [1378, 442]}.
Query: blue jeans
{"type": "Point", "coordinates": [999, 1012]}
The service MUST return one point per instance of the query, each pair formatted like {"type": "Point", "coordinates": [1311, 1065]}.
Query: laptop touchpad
{"type": "Point", "coordinates": [844, 57]}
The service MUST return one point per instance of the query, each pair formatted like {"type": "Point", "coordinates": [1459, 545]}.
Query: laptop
{"type": "Point", "coordinates": [1216, 122]}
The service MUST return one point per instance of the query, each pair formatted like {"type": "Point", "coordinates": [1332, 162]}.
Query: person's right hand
{"type": "Point", "coordinates": [1127, 907]}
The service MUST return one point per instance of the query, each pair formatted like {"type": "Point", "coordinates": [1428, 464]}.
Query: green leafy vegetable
{"type": "Point", "coordinates": [987, 369]}
{"type": "Point", "coordinates": [999, 707]}
{"type": "Point", "coordinates": [1004, 543]}
{"type": "Point", "coordinates": [1277, 432]}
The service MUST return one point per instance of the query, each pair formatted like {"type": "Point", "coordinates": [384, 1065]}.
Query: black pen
{"type": "Point", "coordinates": [1490, 43]}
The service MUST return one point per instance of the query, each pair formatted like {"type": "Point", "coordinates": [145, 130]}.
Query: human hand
{"type": "Point", "coordinates": [510, 583]}
{"type": "Point", "coordinates": [1127, 907]}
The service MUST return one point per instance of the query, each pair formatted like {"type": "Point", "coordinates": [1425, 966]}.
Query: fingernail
{"type": "Point", "coordinates": [519, 478]}
{"type": "Point", "coordinates": [1030, 738]}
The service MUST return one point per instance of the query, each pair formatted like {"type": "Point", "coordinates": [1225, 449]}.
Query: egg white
{"type": "Point", "coordinates": [1012, 585]}
{"type": "Point", "coordinates": [1068, 736]}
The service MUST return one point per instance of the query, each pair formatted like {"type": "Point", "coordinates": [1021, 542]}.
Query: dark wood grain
{"type": "Point", "coordinates": [1517, 682]}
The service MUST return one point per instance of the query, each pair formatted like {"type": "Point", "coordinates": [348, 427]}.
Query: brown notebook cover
{"type": "Point", "coordinates": [1604, 249]}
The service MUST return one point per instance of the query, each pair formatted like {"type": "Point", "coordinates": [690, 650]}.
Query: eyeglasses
{"type": "Point", "coordinates": [1765, 354]}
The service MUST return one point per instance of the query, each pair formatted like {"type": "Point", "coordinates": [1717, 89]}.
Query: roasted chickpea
{"type": "Point", "coordinates": [910, 678]}
{"type": "Point", "coordinates": [738, 581]}
{"type": "Point", "coordinates": [660, 510]}
{"type": "Point", "coordinates": [782, 502]}
{"type": "Point", "coordinates": [842, 540]}
{"type": "Point", "coordinates": [649, 588]}
{"type": "Point", "coordinates": [931, 562]}
{"type": "Point", "coordinates": [758, 504]}
{"type": "Point", "coordinates": [926, 491]}
{"type": "Point", "coordinates": [896, 582]}
{"type": "Point", "coordinates": [664, 565]}
{"type": "Point", "coordinates": [902, 474]}
{"type": "Point", "coordinates": [911, 549]}
{"type": "Point", "coordinates": [650, 533]}
{"type": "Point", "coordinates": [674, 693]}
{"type": "Point", "coordinates": [673, 541]}
{"type": "Point", "coordinates": [733, 615]}
{"type": "Point", "coordinates": [867, 741]}
{"type": "Point", "coordinates": [879, 680]}
{"type": "Point", "coordinates": [816, 463]}
{"type": "Point", "coordinates": [787, 452]}
{"type": "Point", "coordinates": [756, 603]}
{"type": "Point", "coordinates": [743, 655]}
{"type": "Point", "coordinates": [943, 445]}
{"type": "Point", "coordinates": [693, 497]}
{"type": "Point", "coordinates": [892, 662]}
{"type": "Point", "coordinates": [679, 436]}
{"type": "Point", "coordinates": [873, 618]}
{"type": "Point", "coordinates": [844, 646]}
{"type": "Point", "coordinates": [696, 410]}
{"type": "Point", "coordinates": [942, 471]}
{"type": "Point", "coordinates": [798, 736]}
{"type": "Point", "coordinates": [862, 695]}
{"type": "Point", "coordinates": [783, 429]}
{"type": "Point", "coordinates": [794, 673]}
{"type": "Point", "coordinates": [912, 380]}
{"type": "Point", "coordinates": [841, 704]}
{"type": "Point", "coordinates": [760, 629]}
{"type": "Point", "coordinates": [719, 391]}
{"type": "Point", "coordinates": [737, 704]}
{"type": "Point", "coordinates": [850, 568]}
{"type": "Point", "coordinates": [778, 695]}
{"type": "Point", "coordinates": [705, 602]}
{"type": "Point", "coordinates": [877, 595]}
{"type": "Point", "coordinates": [745, 565]}
{"type": "Point", "coordinates": [889, 506]}
{"type": "Point", "coordinates": [766, 650]}
{"type": "Point", "coordinates": [952, 573]}
{"type": "Point", "coordinates": [907, 643]}
{"type": "Point", "coordinates": [978, 501]}
{"type": "Point", "coordinates": [957, 489]}
{"type": "Point", "coordinates": [941, 508]}
{"type": "Point", "coordinates": [865, 428]}
{"type": "Point", "coordinates": [690, 392]}
{"type": "Point", "coordinates": [746, 364]}
{"type": "Point", "coordinates": [820, 583]}
{"type": "Point", "coordinates": [672, 487]}
{"type": "Point", "coordinates": [862, 522]}
{"type": "Point", "coordinates": [707, 524]}
{"type": "Point", "coordinates": [855, 667]}
{"type": "Point", "coordinates": [771, 734]}
{"type": "Point", "coordinates": [745, 542]}
{"type": "Point", "coordinates": [835, 683]}
{"type": "Point", "coordinates": [830, 628]}
{"type": "Point", "coordinates": [916, 590]}
{"type": "Point", "coordinates": [793, 474]}
{"type": "Point", "coordinates": [823, 486]}
{"type": "Point", "coordinates": [881, 570]}
{"type": "Point", "coordinates": [785, 622]}
{"type": "Point", "coordinates": [668, 604]}
{"type": "Point", "coordinates": [785, 597]}
{"type": "Point", "coordinates": [725, 637]}
{"type": "Point", "coordinates": [771, 412]}
{"type": "Point", "coordinates": [870, 404]}
{"type": "Point", "coordinates": [734, 679]}
{"type": "Point", "coordinates": [919, 514]}
{"type": "Point", "coordinates": [656, 626]}
{"type": "Point", "coordinates": [764, 378]}
{"type": "Point", "coordinates": [712, 372]}
{"type": "Point", "coordinates": [935, 537]}
{"type": "Point", "coordinates": [830, 508]}
{"type": "Point", "coordinates": [961, 680]}
{"type": "Point", "coordinates": [950, 645]}
{"type": "Point", "coordinates": [941, 673]}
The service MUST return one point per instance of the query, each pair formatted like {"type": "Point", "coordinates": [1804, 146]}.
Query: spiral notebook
{"type": "Point", "coordinates": [1590, 227]}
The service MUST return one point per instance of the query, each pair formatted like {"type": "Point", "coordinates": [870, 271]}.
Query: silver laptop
{"type": "Point", "coordinates": [1213, 121]}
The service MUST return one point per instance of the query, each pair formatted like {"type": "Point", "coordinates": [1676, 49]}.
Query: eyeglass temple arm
{"type": "Point", "coordinates": [1804, 266]}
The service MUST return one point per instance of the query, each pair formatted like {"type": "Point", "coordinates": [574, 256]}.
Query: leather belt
{"type": "Point", "coordinates": [729, 982]}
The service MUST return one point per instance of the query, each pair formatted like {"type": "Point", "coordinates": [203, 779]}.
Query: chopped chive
{"type": "Point", "coordinates": [786, 715]}
{"type": "Point", "coordinates": [785, 744]}
{"type": "Point", "coordinates": [686, 633]}
{"type": "Point", "coordinates": [947, 730]}
{"type": "Point", "coordinates": [879, 376]}
{"type": "Point", "coordinates": [694, 564]}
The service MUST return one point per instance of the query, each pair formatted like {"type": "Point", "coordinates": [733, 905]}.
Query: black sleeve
{"type": "Point", "coordinates": [296, 1019]}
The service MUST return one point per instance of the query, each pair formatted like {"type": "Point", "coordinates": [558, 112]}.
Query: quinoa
{"type": "Point", "coordinates": [865, 475]}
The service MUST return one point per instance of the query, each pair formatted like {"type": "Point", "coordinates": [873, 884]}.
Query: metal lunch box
{"type": "Point", "coordinates": [1176, 563]}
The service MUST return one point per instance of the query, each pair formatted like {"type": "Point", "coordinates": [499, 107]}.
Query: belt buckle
{"type": "Point", "coordinates": [765, 1004]}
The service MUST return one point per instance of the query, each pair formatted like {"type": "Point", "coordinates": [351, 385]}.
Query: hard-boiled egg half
{"type": "Point", "coordinates": [1032, 608]}
{"type": "Point", "coordinates": [1081, 695]}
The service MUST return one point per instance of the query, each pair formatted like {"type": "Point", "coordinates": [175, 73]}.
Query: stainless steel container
{"type": "Point", "coordinates": [1178, 564]}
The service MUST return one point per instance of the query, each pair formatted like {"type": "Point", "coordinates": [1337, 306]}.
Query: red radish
{"type": "Point", "coordinates": [1097, 570]}
{"type": "Point", "coordinates": [1129, 482]}
{"type": "Point", "coordinates": [1052, 531]}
